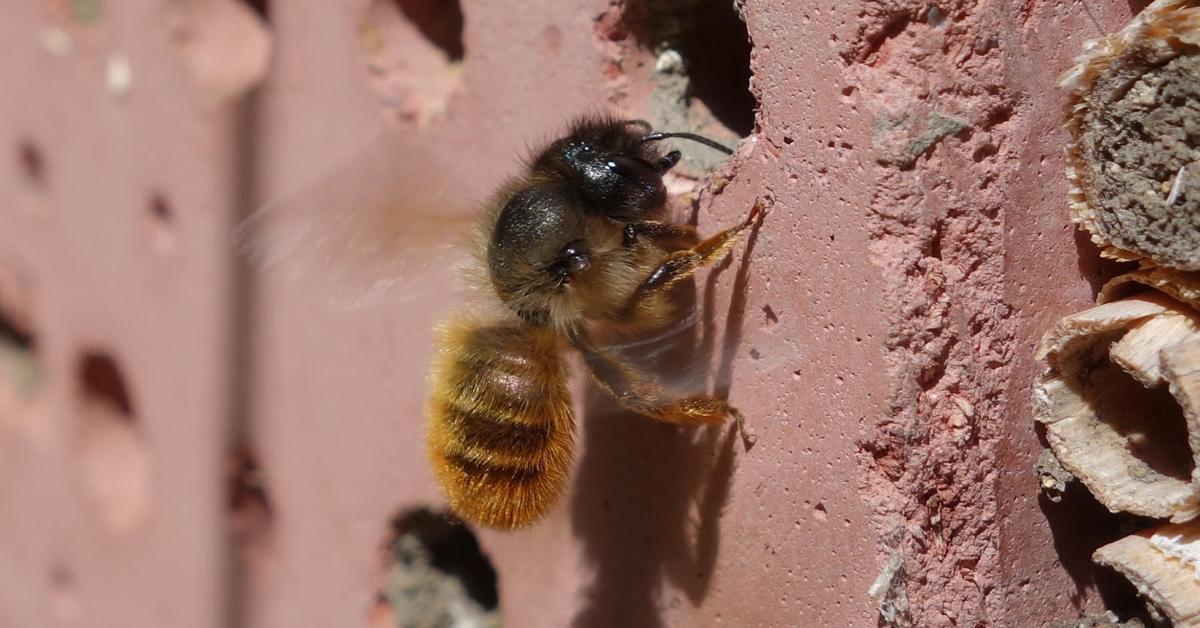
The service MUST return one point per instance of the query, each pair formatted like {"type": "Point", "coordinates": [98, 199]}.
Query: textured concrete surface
{"type": "Point", "coordinates": [878, 333]}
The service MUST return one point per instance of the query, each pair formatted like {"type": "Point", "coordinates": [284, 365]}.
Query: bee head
{"type": "Point", "coordinates": [552, 239]}
{"type": "Point", "coordinates": [613, 165]}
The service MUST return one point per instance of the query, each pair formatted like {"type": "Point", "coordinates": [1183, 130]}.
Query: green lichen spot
{"type": "Point", "coordinates": [86, 11]}
{"type": "Point", "coordinates": [19, 368]}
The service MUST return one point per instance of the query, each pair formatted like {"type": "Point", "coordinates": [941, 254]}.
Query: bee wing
{"type": "Point", "coordinates": [645, 350]}
{"type": "Point", "coordinates": [367, 231]}
{"type": "Point", "coordinates": [700, 351]}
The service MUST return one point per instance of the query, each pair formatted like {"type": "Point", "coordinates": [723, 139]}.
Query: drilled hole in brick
{"type": "Point", "coordinates": [104, 385]}
{"type": "Point", "coordinates": [112, 457]}
{"type": "Point", "coordinates": [32, 163]}
{"type": "Point", "coordinates": [440, 21]}
{"type": "Point", "coordinates": [64, 596]}
{"type": "Point", "coordinates": [434, 574]}
{"type": "Point", "coordinates": [160, 224]}
{"type": "Point", "coordinates": [249, 503]}
{"type": "Point", "coordinates": [20, 364]}
{"type": "Point", "coordinates": [684, 65]}
{"type": "Point", "coordinates": [718, 63]}
{"type": "Point", "coordinates": [414, 52]}
{"type": "Point", "coordinates": [713, 46]}
{"type": "Point", "coordinates": [261, 7]}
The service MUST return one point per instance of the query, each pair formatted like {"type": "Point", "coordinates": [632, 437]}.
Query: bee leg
{"type": "Point", "coordinates": [702, 410]}
{"type": "Point", "coordinates": [670, 236]}
{"type": "Point", "coordinates": [681, 264]}
{"type": "Point", "coordinates": [694, 410]}
{"type": "Point", "coordinates": [642, 394]}
{"type": "Point", "coordinates": [668, 161]}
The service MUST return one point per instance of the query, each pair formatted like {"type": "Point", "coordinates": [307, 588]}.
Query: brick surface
{"type": "Point", "coordinates": [881, 326]}
{"type": "Point", "coordinates": [115, 518]}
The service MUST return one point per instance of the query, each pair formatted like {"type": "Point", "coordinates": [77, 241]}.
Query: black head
{"type": "Point", "coordinates": [559, 223]}
{"type": "Point", "coordinates": [613, 165]}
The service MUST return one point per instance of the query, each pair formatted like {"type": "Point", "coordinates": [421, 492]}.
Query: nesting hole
{"type": "Point", "coordinates": [414, 53]}
{"type": "Point", "coordinates": [251, 513]}
{"type": "Point", "coordinates": [434, 574]}
{"type": "Point", "coordinates": [64, 595]}
{"type": "Point", "coordinates": [714, 48]}
{"type": "Point", "coordinates": [20, 364]}
{"type": "Point", "coordinates": [1149, 420]}
{"type": "Point", "coordinates": [104, 385]}
{"type": "Point", "coordinates": [261, 7]}
{"type": "Point", "coordinates": [246, 489]}
{"type": "Point", "coordinates": [113, 461]}
{"type": "Point", "coordinates": [160, 224]}
{"type": "Point", "coordinates": [32, 163]}
{"type": "Point", "coordinates": [718, 64]}
{"type": "Point", "coordinates": [439, 21]}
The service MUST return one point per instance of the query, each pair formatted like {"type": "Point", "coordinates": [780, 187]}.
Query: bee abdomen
{"type": "Point", "coordinates": [490, 437]}
{"type": "Point", "coordinates": [499, 423]}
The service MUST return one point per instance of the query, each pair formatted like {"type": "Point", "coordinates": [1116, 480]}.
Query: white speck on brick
{"type": "Point", "coordinates": [118, 75]}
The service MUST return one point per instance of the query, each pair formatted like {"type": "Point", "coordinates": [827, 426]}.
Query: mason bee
{"type": "Point", "coordinates": [574, 248]}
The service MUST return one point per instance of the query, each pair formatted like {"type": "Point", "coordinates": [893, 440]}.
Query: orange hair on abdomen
{"type": "Point", "coordinates": [499, 422]}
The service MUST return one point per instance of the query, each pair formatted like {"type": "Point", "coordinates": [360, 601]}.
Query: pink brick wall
{"type": "Point", "coordinates": [917, 247]}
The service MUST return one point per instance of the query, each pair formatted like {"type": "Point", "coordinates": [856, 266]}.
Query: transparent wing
{"type": "Point", "coordinates": [367, 231]}
{"type": "Point", "coordinates": [700, 350]}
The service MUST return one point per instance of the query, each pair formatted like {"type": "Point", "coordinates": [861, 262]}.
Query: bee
{"type": "Point", "coordinates": [573, 248]}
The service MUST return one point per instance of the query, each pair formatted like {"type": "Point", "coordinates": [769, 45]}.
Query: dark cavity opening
{"type": "Point", "coordinates": [103, 383]}
{"type": "Point", "coordinates": [718, 54]}
{"type": "Point", "coordinates": [261, 7]}
{"type": "Point", "coordinates": [246, 493]}
{"type": "Point", "coordinates": [18, 352]}
{"type": "Point", "coordinates": [19, 362]}
{"type": "Point", "coordinates": [434, 570]}
{"type": "Point", "coordinates": [160, 210]}
{"type": "Point", "coordinates": [1080, 525]}
{"type": "Point", "coordinates": [715, 46]}
{"type": "Point", "coordinates": [160, 218]}
{"type": "Point", "coordinates": [440, 21]}
{"type": "Point", "coordinates": [32, 163]}
{"type": "Point", "coordinates": [14, 337]}
{"type": "Point", "coordinates": [110, 454]}
{"type": "Point", "coordinates": [1150, 420]}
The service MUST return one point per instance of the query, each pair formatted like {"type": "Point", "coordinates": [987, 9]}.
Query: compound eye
{"type": "Point", "coordinates": [636, 170]}
{"type": "Point", "coordinates": [624, 166]}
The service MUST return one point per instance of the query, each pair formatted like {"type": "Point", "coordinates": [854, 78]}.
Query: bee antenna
{"type": "Point", "coordinates": [656, 136]}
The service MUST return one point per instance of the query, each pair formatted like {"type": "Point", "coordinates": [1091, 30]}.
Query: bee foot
{"type": "Point", "coordinates": [749, 438]}
{"type": "Point", "coordinates": [761, 208]}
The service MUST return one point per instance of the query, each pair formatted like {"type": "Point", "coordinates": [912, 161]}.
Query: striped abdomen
{"type": "Point", "coordinates": [499, 423]}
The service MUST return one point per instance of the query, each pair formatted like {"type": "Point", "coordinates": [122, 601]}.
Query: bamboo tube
{"type": "Point", "coordinates": [1164, 564]}
{"type": "Point", "coordinates": [1119, 403]}
{"type": "Point", "coordinates": [1181, 286]}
